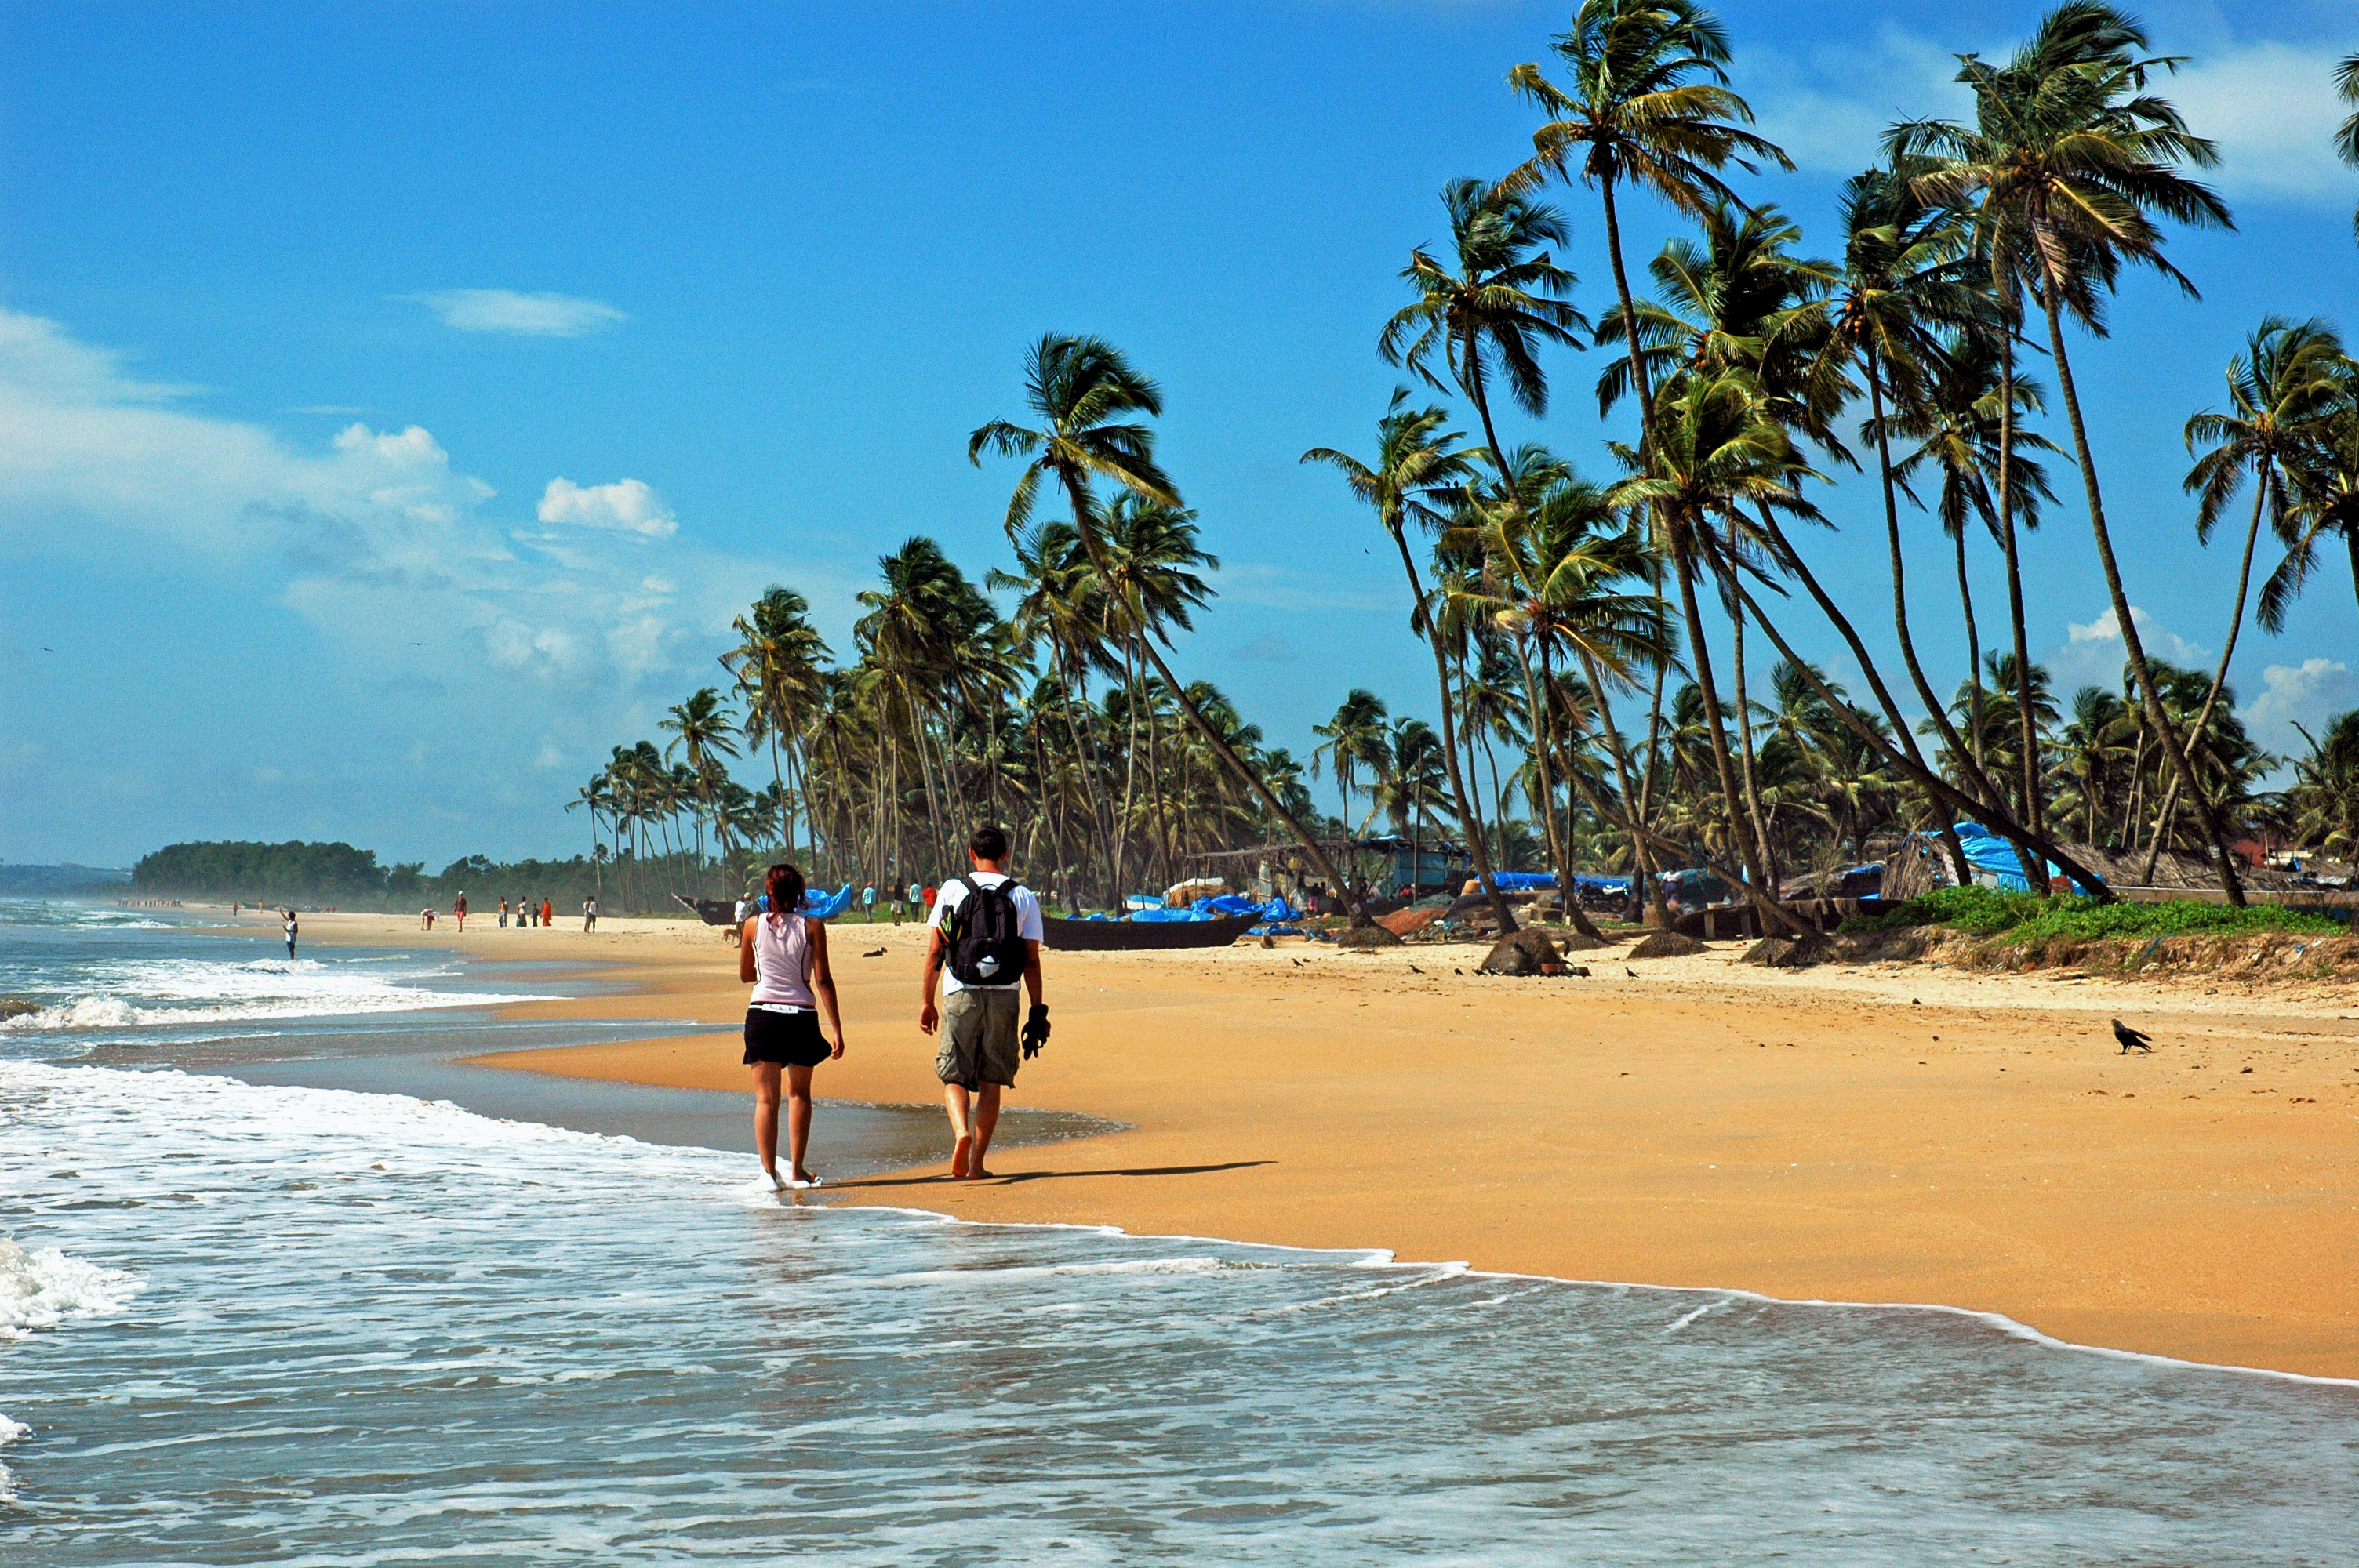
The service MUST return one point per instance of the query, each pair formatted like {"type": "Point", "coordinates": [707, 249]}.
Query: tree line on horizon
{"type": "Point", "coordinates": [336, 874]}
{"type": "Point", "coordinates": [1968, 254]}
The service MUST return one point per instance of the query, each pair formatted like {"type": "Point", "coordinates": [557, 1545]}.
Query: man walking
{"type": "Point", "coordinates": [982, 942]}
{"type": "Point", "coordinates": [590, 914]}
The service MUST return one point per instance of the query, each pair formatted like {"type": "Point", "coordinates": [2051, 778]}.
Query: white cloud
{"type": "Point", "coordinates": [2303, 695]}
{"type": "Point", "coordinates": [2092, 655]}
{"type": "Point", "coordinates": [520, 315]}
{"type": "Point", "coordinates": [626, 505]}
{"type": "Point", "coordinates": [2272, 108]}
{"type": "Point", "coordinates": [1828, 109]}
{"type": "Point", "coordinates": [374, 537]}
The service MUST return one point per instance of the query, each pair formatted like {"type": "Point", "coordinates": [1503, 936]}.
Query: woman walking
{"type": "Point", "coordinates": [782, 954]}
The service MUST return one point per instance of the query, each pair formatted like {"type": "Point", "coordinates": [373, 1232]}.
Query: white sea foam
{"type": "Point", "coordinates": [43, 1288]}
{"type": "Point", "coordinates": [146, 993]}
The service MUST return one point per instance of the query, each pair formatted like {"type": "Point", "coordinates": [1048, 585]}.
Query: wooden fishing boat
{"type": "Point", "coordinates": [711, 910]}
{"type": "Point", "coordinates": [1141, 935]}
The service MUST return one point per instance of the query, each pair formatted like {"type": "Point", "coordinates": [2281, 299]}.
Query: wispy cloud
{"type": "Point", "coordinates": [520, 315]}
{"type": "Point", "coordinates": [2093, 654]}
{"type": "Point", "coordinates": [2269, 105]}
{"type": "Point", "coordinates": [2302, 694]}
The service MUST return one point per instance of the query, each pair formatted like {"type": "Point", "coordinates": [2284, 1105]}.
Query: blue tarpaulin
{"type": "Point", "coordinates": [1237, 904]}
{"type": "Point", "coordinates": [818, 905]}
{"type": "Point", "coordinates": [1523, 881]}
{"type": "Point", "coordinates": [1996, 861]}
{"type": "Point", "coordinates": [1160, 917]}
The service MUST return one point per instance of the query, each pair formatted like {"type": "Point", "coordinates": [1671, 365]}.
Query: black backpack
{"type": "Point", "coordinates": [984, 935]}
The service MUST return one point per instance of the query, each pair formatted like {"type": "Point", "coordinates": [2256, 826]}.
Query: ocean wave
{"type": "Point", "coordinates": [174, 992]}
{"type": "Point", "coordinates": [41, 1289]}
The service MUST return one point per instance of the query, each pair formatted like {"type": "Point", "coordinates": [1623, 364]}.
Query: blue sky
{"type": "Point", "coordinates": [396, 402]}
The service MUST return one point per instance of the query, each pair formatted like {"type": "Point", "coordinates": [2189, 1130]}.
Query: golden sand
{"type": "Point", "coordinates": [1886, 1133]}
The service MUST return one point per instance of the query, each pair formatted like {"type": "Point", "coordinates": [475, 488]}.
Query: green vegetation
{"type": "Point", "coordinates": [342, 877]}
{"type": "Point", "coordinates": [2034, 917]}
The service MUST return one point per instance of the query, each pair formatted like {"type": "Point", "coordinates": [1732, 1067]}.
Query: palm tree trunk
{"type": "Point", "coordinates": [1975, 664]}
{"type": "Point", "coordinates": [2152, 695]}
{"type": "Point", "coordinates": [2025, 710]}
{"type": "Point", "coordinates": [1422, 623]}
{"type": "Point", "coordinates": [1724, 565]}
{"type": "Point", "coordinates": [1683, 568]}
{"type": "Point", "coordinates": [1969, 771]}
{"type": "Point", "coordinates": [2219, 677]}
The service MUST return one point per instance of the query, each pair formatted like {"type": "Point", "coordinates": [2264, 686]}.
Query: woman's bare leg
{"type": "Point", "coordinates": [766, 1114]}
{"type": "Point", "coordinates": [798, 1112]}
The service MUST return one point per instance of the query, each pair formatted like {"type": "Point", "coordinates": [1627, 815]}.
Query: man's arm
{"type": "Point", "coordinates": [1032, 969]}
{"type": "Point", "coordinates": [928, 1016]}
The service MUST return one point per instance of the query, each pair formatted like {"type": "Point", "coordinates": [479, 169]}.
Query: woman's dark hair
{"type": "Point", "coordinates": [784, 883]}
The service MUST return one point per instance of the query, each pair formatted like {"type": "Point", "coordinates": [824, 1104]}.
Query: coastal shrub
{"type": "Point", "coordinates": [1977, 911]}
{"type": "Point", "coordinates": [2029, 918]}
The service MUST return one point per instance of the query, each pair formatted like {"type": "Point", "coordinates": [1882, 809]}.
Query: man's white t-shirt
{"type": "Point", "coordinates": [1028, 920]}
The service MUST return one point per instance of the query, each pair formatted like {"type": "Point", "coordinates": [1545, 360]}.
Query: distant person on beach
{"type": "Point", "coordinates": [782, 954]}
{"type": "Point", "coordinates": [459, 911]}
{"type": "Point", "coordinates": [504, 914]}
{"type": "Point", "coordinates": [548, 910]}
{"type": "Point", "coordinates": [291, 933]}
{"type": "Point", "coordinates": [588, 914]}
{"type": "Point", "coordinates": [520, 919]}
{"type": "Point", "coordinates": [983, 943]}
{"type": "Point", "coordinates": [425, 918]}
{"type": "Point", "coordinates": [868, 902]}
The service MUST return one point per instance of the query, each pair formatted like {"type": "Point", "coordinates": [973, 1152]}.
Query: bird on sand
{"type": "Point", "coordinates": [874, 953]}
{"type": "Point", "coordinates": [2129, 1037]}
{"type": "Point", "coordinates": [1415, 970]}
{"type": "Point", "coordinates": [1629, 971]}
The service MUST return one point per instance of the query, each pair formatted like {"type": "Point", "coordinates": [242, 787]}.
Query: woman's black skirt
{"type": "Point", "coordinates": [788, 1039]}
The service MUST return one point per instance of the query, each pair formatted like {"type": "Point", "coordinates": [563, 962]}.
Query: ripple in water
{"type": "Point", "coordinates": [369, 1329]}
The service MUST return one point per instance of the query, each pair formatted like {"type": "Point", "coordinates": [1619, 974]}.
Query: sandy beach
{"type": "Point", "coordinates": [1884, 1133]}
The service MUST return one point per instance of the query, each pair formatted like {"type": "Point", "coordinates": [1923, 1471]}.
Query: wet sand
{"type": "Point", "coordinates": [1891, 1133]}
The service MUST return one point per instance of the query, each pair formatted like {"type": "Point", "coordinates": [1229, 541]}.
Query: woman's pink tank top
{"type": "Point", "coordinates": [782, 962]}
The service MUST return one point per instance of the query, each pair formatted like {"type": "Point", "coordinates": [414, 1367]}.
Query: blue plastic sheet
{"type": "Point", "coordinates": [817, 904]}
{"type": "Point", "coordinates": [1987, 852]}
{"type": "Point", "coordinates": [1164, 916]}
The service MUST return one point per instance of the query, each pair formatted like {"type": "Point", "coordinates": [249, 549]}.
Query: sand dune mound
{"type": "Point", "coordinates": [1665, 945]}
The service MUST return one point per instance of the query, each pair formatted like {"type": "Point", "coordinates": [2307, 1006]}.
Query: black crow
{"type": "Point", "coordinates": [874, 953]}
{"type": "Point", "coordinates": [2129, 1037]}
{"type": "Point", "coordinates": [1629, 971]}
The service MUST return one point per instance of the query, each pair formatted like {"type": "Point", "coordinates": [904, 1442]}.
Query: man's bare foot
{"type": "Point", "coordinates": [979, 1173]}
{"type": "Point", "coordinates": [958, 1156]}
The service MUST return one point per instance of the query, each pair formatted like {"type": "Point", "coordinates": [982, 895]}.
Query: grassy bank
{"type": "Point", "coordinates": [2029, 919]}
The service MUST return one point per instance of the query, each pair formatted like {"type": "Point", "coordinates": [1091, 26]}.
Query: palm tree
{"type": "Point", "coordinates": [2277, 400]}
{"type": "Point", "coordinates": [701, 728]}
{"type": "Point", "coordinates": [2069, 166]}
{"type": "Point", "coordinates": [1716, 454]}
{"type": "Point", "coordinates": [1078, 388]}
{"type": "Point", "coordinates": [598, 796]}
{"type": "Point", "coordinates": [1356, 739]}
{"type": "Point", "coordinates": [2324, 481]}
{"type": "Point", "coordinates": [1966, 437]}
{"type": "Point", "coordinates": [1634, 111]}
{"type": "Point", "coordinates": [777, 665]}
{"type": "Point", "coordinates": [1489, 317]}
{"type": "Point", "coordinates": [2346, 139]}
{"type": "Point", "coordinates": [1414, 458]}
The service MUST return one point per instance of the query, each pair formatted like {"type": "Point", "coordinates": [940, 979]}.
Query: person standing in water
{"type": "Point", "coordinates": [983, 943]}
{"type": "Point", "coordinates": [291, 933]}
{"type": "Point", "coordinates": [782, 954]}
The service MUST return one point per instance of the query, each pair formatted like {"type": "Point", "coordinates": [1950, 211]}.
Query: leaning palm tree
{"type": "Point", "coordinates": [2070, 169]}
{"type": "Point", "coordinates": [1084, 393]}
{"type": "Point", "coordinates": [1635, 110]}
{"type": "Point", "coordinates": [2278, 400]}
{"type": "Point", "coordinates": [1416, 456]}
{"type": "Point", "coordinates": [2324, 481]}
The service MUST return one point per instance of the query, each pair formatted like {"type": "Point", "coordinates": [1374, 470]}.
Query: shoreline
{"type": "Point", "coordinates": [1609, 1131]}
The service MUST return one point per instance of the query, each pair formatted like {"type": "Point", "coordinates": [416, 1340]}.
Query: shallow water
{"type": "Point", "coordinates": [272, 1323]}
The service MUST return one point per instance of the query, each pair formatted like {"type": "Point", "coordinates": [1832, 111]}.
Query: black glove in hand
{"type": "Point", "coordinates": [1035, 1030]}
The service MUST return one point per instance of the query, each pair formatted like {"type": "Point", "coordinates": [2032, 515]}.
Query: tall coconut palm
{"type": "Point", "coordinates": [1354, 742]}
{"type": "Point", "coordinates": [2347, 138]}
{"type": "Point", "coordinates": [1417, 456]}
{"type": "Point", "coordinates": [2280, 392]}
{"type": "Point", "coordinates": [1960, 427]}
{"type": "Point", "coordinates": [701, 727]}
{"type": "Point", "coordinates": [777, 667]}
{"type": "Point", "coordinates": [2070, 168]}
{"type": "Point", "coordinates": [1715, 455]}
{"type": "Point", "coordinates": [1647, 103]}
{"type": "Point", "coordinates": [1082, 390]}
{"type": "Point", "coordinates": [2324, 481]}
{"type": "Point", "coordinates": [1487, 319]}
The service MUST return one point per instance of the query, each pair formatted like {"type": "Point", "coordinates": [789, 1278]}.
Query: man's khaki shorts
{"type": "Point", "coordinates": [978, 1038]}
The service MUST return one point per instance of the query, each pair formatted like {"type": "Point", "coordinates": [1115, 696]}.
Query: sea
{"type": "Point", "coordinates": [281, 1281]}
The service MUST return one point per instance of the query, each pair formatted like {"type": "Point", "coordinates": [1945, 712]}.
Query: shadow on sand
{"type": "Point", "coordinates": [1015, 1176]}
